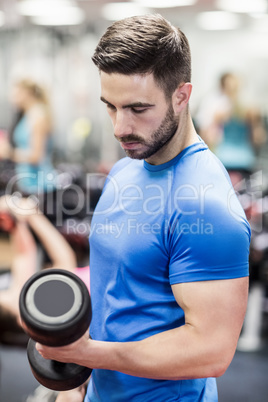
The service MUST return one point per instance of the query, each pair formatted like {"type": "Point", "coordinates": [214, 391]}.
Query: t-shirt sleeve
{"type": "Point", "coordinates": [211, 245]}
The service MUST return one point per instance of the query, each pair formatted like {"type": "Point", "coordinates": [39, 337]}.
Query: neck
{"type": "Point", "coordinates": [183, 138]}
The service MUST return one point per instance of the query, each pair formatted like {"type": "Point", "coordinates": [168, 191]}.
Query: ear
{"type": "Point", "coordinates": [181, 96]}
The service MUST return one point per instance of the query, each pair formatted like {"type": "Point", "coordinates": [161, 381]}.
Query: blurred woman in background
{"type": "Point", "coordinates": [21, 219]}
{"type": "Point", "coordinates": [232, 130]}
{"type": "Point", "coordinates": [30, 145]}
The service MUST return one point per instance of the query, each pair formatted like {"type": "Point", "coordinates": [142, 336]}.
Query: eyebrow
{"type": "Point", "coordinates": [130, 105]}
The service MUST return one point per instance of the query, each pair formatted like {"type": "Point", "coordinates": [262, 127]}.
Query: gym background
{"type": "Point", "coordinates": [51, 42]}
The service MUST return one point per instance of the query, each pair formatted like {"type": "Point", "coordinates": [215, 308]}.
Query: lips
{"type": "Point", "coordinates": [129, 145]}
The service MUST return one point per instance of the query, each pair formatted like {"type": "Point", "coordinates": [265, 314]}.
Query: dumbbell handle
{"type": "Point", "coordinates": [58, 366]}
{"type": "Point", "coordinates": [53, 374]}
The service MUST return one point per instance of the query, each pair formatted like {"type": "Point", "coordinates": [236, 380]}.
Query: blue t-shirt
{"type": "Point", "coordinates": [156, 226]}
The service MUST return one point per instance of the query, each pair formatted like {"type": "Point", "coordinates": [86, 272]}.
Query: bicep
{"type": "Point", "coordinates": [214, 309]}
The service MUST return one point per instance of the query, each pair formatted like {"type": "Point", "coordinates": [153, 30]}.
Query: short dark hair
{"type": "Point", "coordinates": [146, 44]}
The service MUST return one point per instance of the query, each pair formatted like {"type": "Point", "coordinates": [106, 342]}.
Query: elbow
{"type": "Point", "coordinates": [221, 363]}
{"type": "Point", "coordinates": [215, 370]}
{"type": "Point", "coordinates": [219, 370]}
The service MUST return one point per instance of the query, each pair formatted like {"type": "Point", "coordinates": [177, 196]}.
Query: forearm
{"type": "Point", "coordinates": [181, 353]}
{"type": "Point", "coordinates": [24, 254]}
{"type": "Point", "coordinates": [56, 246]}
{"type": "Point", "coordinates": [176, 354]}
{"type": "Point", "coordinates": [22, 240]}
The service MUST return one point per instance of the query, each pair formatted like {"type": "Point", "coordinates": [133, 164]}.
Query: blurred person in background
{"type": "Point", "coordinates": [235, 134]}
{"type": "Point", "coordinates": [21, 219]}
{"type": "Point", "coordinates": [233, 131]}
{"type": "Point", "coordinates": [30, 144]}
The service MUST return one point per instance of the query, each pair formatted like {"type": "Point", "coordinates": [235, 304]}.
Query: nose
{"type": "Point", "coordinates": [122, 124]}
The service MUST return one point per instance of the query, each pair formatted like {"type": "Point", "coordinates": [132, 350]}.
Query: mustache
{"type": "Point", "coordinates": [129, 138]}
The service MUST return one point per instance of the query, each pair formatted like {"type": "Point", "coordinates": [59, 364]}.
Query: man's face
{"type": "Point", "coordinates": [142, 118]}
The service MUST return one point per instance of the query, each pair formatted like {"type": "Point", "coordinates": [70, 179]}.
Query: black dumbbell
{"type": "Point", "coordinates": [55, 310]}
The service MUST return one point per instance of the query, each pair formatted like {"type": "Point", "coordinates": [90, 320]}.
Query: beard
{"type": "Point", "coordinates": [160, 137]}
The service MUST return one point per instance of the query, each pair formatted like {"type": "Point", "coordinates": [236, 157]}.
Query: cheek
{"type": "Point", "coordinates": [149, 124]}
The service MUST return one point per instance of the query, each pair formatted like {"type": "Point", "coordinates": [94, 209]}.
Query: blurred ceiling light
{"type": "Point", "coordinates": [217, 20]}
{"type": "Point", "coordinates": [41, 7]}
{"type": "Point", "coordinates": [243, 6]}
{"type": "Point", "coordinates": [260, 24]}
{"type": "Point", "coordinates": [52, 12]}
{"type": "Point", "coordinates": [118, 11]}
{"type": "Point", "coordinates": [258, 15]}
{"type": "Point", "coordinates": [74, 18]}
{"type": "Point", "coordinates": [2, 18]}
{"type": "Point", "coordinates": [165, 3]}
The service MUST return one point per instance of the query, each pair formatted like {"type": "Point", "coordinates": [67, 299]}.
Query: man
{"type": "Point", "coordinates": [169, 240]}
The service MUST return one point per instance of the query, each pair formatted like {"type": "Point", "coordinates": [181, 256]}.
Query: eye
{"type": "Point", "coordinates": [138, 110]}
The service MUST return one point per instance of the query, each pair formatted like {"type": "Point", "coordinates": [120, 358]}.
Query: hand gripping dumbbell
{"type": "Point", "coordinates": [55, 310]}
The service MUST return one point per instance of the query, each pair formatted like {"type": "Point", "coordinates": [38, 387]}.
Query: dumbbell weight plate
{"type": "Point", "coordinates": [55, 375]}
{"type": "Point", "coordinates": [55, 310]}
{"type": "Point", "coordinates": [55, 307]}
